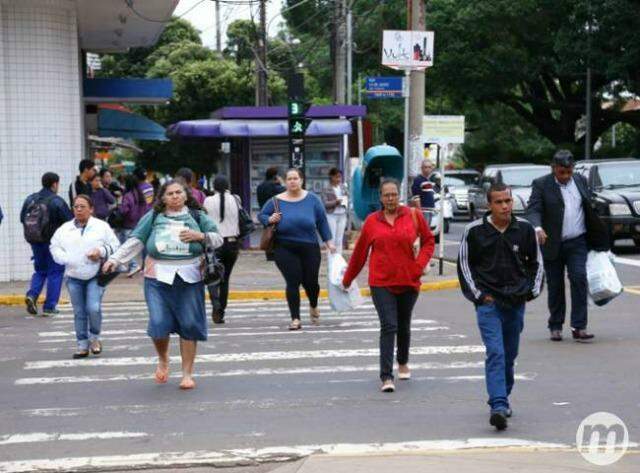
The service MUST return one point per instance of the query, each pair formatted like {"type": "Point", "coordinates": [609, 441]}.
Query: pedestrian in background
{"type": "Point", "coordinates": [270, 187]}
{"type": "Point", "coordinates": [103, 200]}
{"type": "Point", "coordinates": [111, 184]}
{"type": "Point", "coordinates": [300, 218]}
{"type": "Point", "coordinates": [1, 215]}
{"type": "Point", "coordinates": [426, 185]}
{"type": "Point", "coordinates": [82, 184]}
{"type": "Point", "coordinates": [500, 268]}
{"type": "Point", "coordinates": [335, 197]}
{"type": "Point", "coordinates": [187, 175]}
{"type": "Point", "coordinates": [174, 235]}
{"type": "Point", "coordinates": [135, 204]}
{"type": "Point", "coordinates": [80, 245]}
{"type": "Point", "coordinates": [395, 268]}
{"type": "Point", "coordinates": [223, 208]}
{"type": "Point", "coordinates": [567, 228]}
{"type": "Point", "coordinates": [42, 214]}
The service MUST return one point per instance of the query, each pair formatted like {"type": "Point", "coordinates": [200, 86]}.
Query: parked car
{"type": "Point", "coordinates": [457, 184]}
{"type": "Point", "coordinates": [615, 186]}
{"type": "Point", "coordinates": [517, 176]}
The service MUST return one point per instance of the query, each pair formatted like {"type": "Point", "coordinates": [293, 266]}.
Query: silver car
{"type": "Point", "coordinates": [457, 184]}
{"type": "Point", "coordinates": [519, 177]}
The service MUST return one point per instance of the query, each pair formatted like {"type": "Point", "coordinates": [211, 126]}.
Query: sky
{"type": "Point", "coordinates": [201, 13]}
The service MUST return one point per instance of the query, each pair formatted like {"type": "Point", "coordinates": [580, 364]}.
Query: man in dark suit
{"type": "Point", "coordinates": [567, 227]}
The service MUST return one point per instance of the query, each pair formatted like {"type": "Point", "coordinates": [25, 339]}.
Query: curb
{"type": "Point", "coordinates": [18, 300]}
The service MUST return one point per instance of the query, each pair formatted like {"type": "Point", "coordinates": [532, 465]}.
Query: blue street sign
{"type": "Point", "coordinates": [383, 87]}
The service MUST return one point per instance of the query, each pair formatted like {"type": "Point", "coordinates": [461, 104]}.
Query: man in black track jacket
{"type": "Point", "coordinates": [500, 268]}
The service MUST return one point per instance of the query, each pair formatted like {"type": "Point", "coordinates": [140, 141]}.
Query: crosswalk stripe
{"type": "Point", "coordinates": [417, 334]}
{"type": "Point", "coordinates": [231, 331]}
{"type": "Point", "coordinates": [248, 372]}
{"type": "Point", "coordinates": [46, 437]}
{"type": "Point", "coordinates": [255, 356]}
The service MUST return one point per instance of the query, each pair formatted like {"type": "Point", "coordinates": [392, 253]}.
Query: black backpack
{"type": "Point", "coordinates": [37, 225]}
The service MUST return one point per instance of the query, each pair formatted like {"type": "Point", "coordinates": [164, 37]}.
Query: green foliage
{"type": "Point", "coordinates": [202, 82]}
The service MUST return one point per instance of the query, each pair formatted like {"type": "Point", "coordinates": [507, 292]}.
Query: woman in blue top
{"type": "Point", "coordinates": [297, 252]}
{"type": "Point", "coordinates": [173, 235]}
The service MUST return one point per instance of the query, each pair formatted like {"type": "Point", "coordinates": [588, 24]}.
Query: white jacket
{"type": "Point", "coordinates": [70, 245]}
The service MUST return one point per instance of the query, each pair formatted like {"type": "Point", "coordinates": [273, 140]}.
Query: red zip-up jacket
{"type": "Point", "coordinates": [392, 264]}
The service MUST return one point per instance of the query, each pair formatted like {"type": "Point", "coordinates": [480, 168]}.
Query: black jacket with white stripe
{"type": "Point", "coordinates": [508, 266]}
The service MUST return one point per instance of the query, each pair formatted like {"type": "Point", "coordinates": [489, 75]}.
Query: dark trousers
{"type": "Point", "coordinates": [227, 254]}
{"type": "Point", "coordinates": [394, 312]}
{"type": "Point", "coordinates": [45, 271]}
{"type": "Point", "coordinates": [299, 263]}
{"type": "Point", "coordinates": [500, 329]}
{"type": "Point", "coordinates": [573, 257]}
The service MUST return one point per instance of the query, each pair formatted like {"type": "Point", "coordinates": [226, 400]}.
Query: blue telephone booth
{"type": "Point", "coordinates": [378, 162]}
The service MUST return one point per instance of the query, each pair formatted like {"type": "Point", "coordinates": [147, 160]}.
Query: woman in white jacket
{"type": "Point", "coordinates": [80, 245]}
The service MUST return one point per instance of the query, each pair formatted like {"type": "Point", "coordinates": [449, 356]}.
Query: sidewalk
{"type": "Point", "coordinates": [253, 277]}
{"type": "Point", "coordinates": [461, 462]}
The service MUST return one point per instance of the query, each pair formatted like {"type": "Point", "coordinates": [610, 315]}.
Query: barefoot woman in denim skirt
{"type": "Point", "coordinates": [173, 234]}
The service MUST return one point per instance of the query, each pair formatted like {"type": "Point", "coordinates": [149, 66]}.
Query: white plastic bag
{"type": "Point", "coordinates": [340, 300]}
{"type": "Point", "coordinates": [602, 278]}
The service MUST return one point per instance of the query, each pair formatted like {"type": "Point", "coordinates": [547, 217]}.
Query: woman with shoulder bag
{"type": "Point", "coordinates": [388, 235]}
{"type": "Point", "coordinates": [175, 235]}
{"type": "Point", "coordinates": [223, 207]}
{"type": "Point", "coordinates": [80, 245]}
{"type": "Point", "coordinates": [299, 219]}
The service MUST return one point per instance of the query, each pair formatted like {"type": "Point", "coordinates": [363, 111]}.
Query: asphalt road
{"type": "Point", "coordinates": [261, 386]}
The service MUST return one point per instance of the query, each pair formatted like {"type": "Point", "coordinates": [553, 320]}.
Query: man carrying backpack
{"type": "Point", "coordinates": [41, 215]}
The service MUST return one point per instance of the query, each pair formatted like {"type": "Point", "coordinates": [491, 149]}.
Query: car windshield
{"type": "Point", "coordinates": [460, 179]}
{"type": "Point", "coordinates": [619, 174]}
{"type": "Point", "coordinates": [522, 177]}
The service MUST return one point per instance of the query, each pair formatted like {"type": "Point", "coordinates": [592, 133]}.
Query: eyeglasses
{"type": "Point", "coordinates": [80, 207]}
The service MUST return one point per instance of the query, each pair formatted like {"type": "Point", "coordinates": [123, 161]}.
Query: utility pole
{"type": "Point", "coordinates": [349, 54]}
{"type": "Point", "coordinates": [415, 22]}
{"type": "Point", "coordinates": [262, 93]}
{"type": "Point", "coordinates": [218, 32]}
{"type": "Point", "coordinates": [340, 60]}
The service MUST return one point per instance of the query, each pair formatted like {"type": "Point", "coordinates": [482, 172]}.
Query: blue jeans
{"type": "Point", "coordinates": [45, 270]}
{"type": "Point", "coordinates": [86, 299]}
{"type": "Point", "coordinates": [500, 329]}
{"type": "Point", "coordinates": [573, 256]}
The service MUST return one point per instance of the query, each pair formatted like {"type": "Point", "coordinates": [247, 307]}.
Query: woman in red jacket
{"type": "Point", "coordinates": [394, 273]}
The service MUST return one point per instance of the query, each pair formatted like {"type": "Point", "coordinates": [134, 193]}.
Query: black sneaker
{"type": "Point", "coordinates": [498, 419]}
{"type": "Point", "coordinates": [217, 317]}
{"type": "Point", "coordinates": [50, 312]}
{"type": "Point", "coordinates": [80, 354]}
{"type": "Point", "coordinates": [32, 306]}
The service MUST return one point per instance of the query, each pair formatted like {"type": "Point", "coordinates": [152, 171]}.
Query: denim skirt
{"type": "Point", "coordinates": [176, 308]}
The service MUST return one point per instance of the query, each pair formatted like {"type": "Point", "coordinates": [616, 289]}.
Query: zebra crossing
{"type": "Point", "coordinates": [258, 384]}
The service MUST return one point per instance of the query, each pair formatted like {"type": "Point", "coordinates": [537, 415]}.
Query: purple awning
{"type": "Point", "coordinates": [315, 111]}
{"type": "Point", "coordinates": [253, 128]}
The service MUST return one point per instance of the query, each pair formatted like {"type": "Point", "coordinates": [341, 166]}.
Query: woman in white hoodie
{"type": "Point", "coordinates": [80, 245]}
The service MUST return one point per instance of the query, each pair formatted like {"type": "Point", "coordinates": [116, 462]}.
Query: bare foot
{"type": "Point", "coordinates": [187, 383]}
{"type": "Point", "coordinates": [162, 372]}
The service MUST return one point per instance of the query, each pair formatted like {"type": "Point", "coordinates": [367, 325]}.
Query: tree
{"type": "Point", "coordinates": [532, 56]}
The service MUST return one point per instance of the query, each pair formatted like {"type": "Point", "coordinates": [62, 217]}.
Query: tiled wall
{"type": "Point", "coordinates": [40, 112]}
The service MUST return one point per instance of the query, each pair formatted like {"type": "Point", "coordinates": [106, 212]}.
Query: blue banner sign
{"type": "Point", "coordinates": [384, 87]}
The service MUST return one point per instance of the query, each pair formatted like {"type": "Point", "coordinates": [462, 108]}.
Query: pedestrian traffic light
{"type": "Point", "coordinates": [297, 127]}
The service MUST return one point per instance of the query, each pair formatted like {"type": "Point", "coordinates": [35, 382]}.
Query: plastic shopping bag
{"type": "Point", "coordinates": [602, 279]}
{"type": "Point", "coordinates": [340, 300]}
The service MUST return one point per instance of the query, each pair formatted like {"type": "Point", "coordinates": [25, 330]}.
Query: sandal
{"type": "Point", "coordinates": [295, 324]}
{"type": "Point", "coordinates": [315, 315]}
{"type": "Point", "coordinates": [96, 347]}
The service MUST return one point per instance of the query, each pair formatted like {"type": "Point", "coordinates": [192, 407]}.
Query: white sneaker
{"type": "Point", "coordinates": [388, 386]}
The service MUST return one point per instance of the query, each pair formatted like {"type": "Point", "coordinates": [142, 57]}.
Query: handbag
{"type": "Point", "coordinates": [245, 222]}
{"type": "Point", "coordinates": [213, 269]}
{"type": "Point", "coordinates": [268, 238]}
